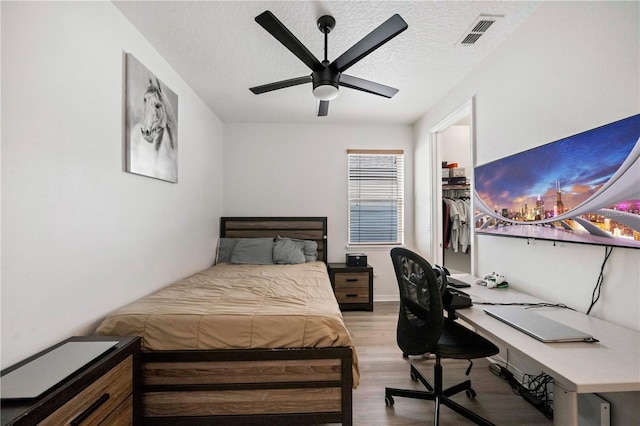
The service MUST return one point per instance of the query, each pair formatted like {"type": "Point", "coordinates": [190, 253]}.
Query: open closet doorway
{"type": "Point", "coordinates": [452, 156]}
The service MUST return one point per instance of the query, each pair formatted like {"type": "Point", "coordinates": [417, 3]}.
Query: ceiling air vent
{"type": "Point", "coordinates": [478, 28]}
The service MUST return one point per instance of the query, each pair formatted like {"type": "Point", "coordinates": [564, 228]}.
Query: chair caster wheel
{"type": "Point", "coordinates": [471, 394]}
{"type": "Point", "coordinates": [388, 401]}
{"type": "Point", "coordinates": [413, 376]}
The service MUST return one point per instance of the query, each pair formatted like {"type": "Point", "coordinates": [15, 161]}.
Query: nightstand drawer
{"type": "Point", "coordinates": [98, 400]}
{"type": "Point", "coordinates": [348, 294]}
{"type": "Point", "coordinates": [351, 279]}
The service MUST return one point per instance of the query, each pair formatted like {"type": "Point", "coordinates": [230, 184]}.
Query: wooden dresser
{"type": "Point", "coordinates": [352, 285]}
{"type": "Point", "coordinates": [105, 391]}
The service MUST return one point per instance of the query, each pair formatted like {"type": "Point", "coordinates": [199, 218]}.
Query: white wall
{"type": "Point", "coordinates": [456, 148]}
{"type": "Point", "coordinates": [301, 170]}
{"type": "Point", "coordinates": [570, 67]}
{"type": "Point", "coordinates": [80, 236]}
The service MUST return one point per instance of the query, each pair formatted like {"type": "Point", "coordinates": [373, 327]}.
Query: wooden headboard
{"type": "Point", "coordinates": [303, 228]}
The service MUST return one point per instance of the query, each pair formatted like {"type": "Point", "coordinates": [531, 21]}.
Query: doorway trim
{"type": "Point", "coordinates": [465, 110]}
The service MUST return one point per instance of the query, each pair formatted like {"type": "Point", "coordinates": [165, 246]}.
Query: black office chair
{"type": "Point", "coordinates": [423, 328]}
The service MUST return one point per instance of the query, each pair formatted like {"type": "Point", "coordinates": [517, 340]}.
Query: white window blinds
{"type": "Point", "coordinates": [376, 196]}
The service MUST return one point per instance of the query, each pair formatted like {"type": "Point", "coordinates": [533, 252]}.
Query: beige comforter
{"type": "Point", "coordinates": [238, 307]}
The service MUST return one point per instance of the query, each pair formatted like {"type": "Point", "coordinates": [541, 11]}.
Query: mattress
{"type": "Point", "coordinates": [238, 307]}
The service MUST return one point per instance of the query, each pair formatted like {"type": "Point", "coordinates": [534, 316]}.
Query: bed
{"type": "Point", "coordinates": [210, 353]}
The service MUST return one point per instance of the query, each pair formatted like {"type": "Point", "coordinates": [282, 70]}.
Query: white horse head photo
{"type": "Point", "coordinates": [152, 124]}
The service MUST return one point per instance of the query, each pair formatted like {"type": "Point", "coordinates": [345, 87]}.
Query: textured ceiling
{"type": "Point", "coordinates": [220, 51]}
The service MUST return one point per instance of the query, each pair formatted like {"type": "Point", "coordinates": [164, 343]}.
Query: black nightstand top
{"type": "Point", "coordinates": [346, 268]}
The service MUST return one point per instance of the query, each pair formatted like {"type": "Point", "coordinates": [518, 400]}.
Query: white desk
{"type": "Point", "coordinates": [611, 365]}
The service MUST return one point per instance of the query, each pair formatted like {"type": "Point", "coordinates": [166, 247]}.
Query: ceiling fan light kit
{"type": "Point", "coordinates": [326, 76]}
{"type": "Point", "coordinates": [325, 92]}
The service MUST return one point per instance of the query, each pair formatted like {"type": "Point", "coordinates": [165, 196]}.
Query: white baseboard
{"type": "Point", "coordinates": [386, 298]}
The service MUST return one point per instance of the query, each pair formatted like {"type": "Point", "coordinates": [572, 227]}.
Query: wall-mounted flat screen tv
{"type": "Point", "coordinates": [583, 189]}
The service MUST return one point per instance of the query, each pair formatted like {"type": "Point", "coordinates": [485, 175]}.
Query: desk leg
{"type": "Point", "coordinates": [565, 407]}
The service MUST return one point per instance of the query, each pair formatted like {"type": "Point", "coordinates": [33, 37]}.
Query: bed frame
{"type": "Point", "coordinates": [251, 386]}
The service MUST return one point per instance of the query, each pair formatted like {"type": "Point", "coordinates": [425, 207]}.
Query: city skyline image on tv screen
{"type": "Point", "coordinates": [584, 188]}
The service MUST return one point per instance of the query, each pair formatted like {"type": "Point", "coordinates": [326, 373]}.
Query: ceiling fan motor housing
{"type": "Point", "coordinates": [326, 76]}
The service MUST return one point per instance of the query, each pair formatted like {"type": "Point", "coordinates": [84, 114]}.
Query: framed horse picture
{"type": "Point", "coordinates": [151, 124]}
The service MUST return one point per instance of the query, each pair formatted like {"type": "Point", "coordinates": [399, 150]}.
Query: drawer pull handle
{"type": "Point", "coordinates": [351, 280]}
{"type": "Point", "coordinates": [351, 294]}
{"type": "Point", "coordinates": [90, 410]}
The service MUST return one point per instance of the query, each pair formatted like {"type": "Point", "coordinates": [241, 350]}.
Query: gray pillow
{"type": "Point", "coordinates": [287, 251]}
{"type": "Point", "coordinates": [310, 250]}
{"type": "Point", "coordinates": [225, 248]}
{"type": "Point", "coordinates": [257, 251]}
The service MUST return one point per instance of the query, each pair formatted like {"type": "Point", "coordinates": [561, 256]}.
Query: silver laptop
{"type": "Point", "coordinates": [537, 326]}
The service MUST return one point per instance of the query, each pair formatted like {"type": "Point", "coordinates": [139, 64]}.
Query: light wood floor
{"type": "Point", "coordinates": [381, 364]}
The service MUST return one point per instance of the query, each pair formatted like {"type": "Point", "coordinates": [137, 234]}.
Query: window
{"type": "Point", "coordinates": [376, 196]}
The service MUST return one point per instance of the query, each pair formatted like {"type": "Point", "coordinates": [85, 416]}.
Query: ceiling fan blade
{"type": "Point", "coordinates": [367, 86]}
{"type": "Point", "coordinates": [376, 38]}
{"type": "Point", "coordinates": [269, 22]}
{"type": "Point", "coordinates": [280, 84]}
{"type": "Point", "coordinates": [323, 108]}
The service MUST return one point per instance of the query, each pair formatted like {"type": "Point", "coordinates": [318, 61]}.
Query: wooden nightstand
{"type": "Point", "coordinates": [353, 285]}
{"type": "Point", "coordinates": [104, 391]}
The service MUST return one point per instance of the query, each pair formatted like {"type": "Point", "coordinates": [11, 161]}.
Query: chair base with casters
{"type": "Point", "coordinates": [440, 396]}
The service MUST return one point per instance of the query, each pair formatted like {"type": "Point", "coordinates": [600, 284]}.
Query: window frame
{"type": "Point", "coordinates": [394, 192]}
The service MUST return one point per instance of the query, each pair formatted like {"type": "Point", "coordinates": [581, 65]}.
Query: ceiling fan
{"type": "Point", "coordinates": [325, 76]}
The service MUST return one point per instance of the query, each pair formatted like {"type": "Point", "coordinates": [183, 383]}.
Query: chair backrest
{"type": "Point", "coordinates": [421, 316]}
